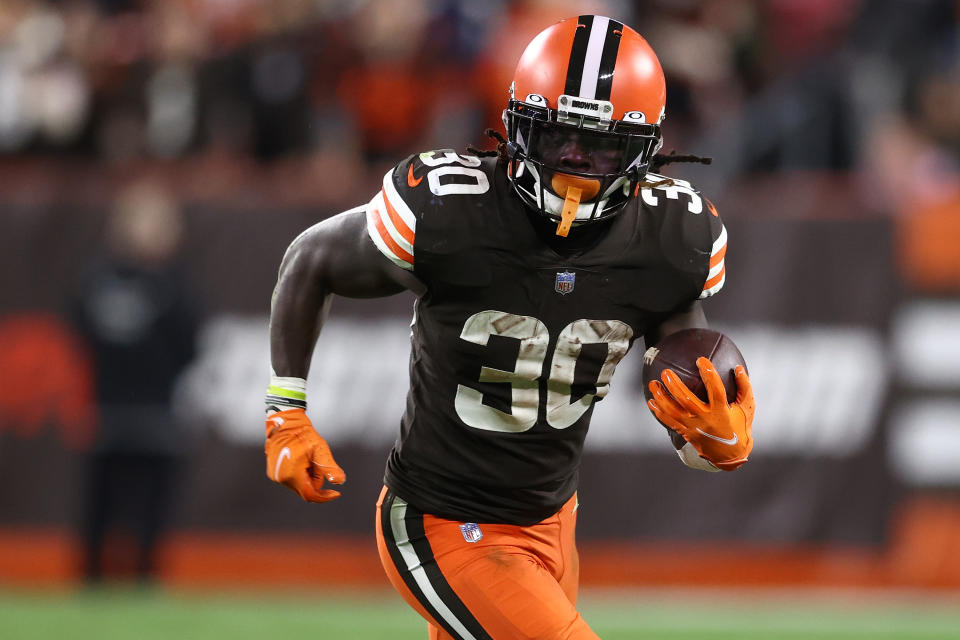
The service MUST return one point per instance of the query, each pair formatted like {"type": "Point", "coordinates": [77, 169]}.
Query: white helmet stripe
{"type": "Point", "coordinates": [591, 64]}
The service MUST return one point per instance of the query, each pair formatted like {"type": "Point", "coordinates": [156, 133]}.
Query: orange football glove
{"type": "Point", "coordinates": [721, 433]}
{"type": "Point", "coordinates": [299, 458]}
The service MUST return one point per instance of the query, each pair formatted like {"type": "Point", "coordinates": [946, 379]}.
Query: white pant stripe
{"type": "Point", "coordinates": [397, 523]}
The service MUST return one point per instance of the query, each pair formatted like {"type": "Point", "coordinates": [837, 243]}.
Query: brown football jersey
{"type": "Point", "coordinates": [516, 338]}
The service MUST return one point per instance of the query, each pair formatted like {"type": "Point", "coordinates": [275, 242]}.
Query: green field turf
{"type": "Point", "coordinates": [118, 614]}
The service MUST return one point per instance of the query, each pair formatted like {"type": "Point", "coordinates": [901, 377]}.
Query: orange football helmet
{"type": "Point", "coordinates": [585, 108]}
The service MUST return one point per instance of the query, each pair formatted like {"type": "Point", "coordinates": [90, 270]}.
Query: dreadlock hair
{"type": "Point", "coordinates": [500, 151]}
{"type": "Point", "coordinates": [656, 163]}
{"type": "Point", "coordinates": [659, 160]}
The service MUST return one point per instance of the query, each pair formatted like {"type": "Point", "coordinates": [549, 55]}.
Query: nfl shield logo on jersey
{"type": "Point", "coordinates": [471, 531]}
{"type": "Point", "coordinates": [564, 283]}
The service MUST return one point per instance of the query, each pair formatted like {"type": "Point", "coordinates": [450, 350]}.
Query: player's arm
{"type": "Point", "coordinates": [688, 317]}
{"type": "Point", "coordinates": [713, 435]}
{"type": "Point", "coordinates": [334, 257]}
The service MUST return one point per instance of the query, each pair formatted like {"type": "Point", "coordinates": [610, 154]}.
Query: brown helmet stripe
{"type": "Point", "coordinates": [608, 59]}
{"type": "Point", "coordinates": [578, 54]}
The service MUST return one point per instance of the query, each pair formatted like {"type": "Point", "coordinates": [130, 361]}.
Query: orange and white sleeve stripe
{"type": "Point", "coordinates": [718, 271]}
{"type": "Point", "coordinates": [391, 224]}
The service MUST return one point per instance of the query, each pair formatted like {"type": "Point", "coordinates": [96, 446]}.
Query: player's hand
{"type": "Point", "coordinates": [721, 433]}
{"type": "Point", "coordinates": [299, 458]}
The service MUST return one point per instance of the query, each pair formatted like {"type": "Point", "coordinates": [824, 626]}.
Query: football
{"type": "Point", "coordinates": [679, 352]}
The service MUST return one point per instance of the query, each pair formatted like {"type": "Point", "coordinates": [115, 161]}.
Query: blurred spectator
{"type": "Point", "coordinates": [134, 311]}
{"type": "Point", "coordinates": [44, 97]}
{"type": "Point", "coordinates": [913, 171]}
{"type": "Point", "coordinates": [343, 87]}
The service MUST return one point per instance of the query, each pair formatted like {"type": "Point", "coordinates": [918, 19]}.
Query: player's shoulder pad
{"type": "Point", "coordinates": [391, 220]}
{"type": "Point", "coordinates": [691, 227]}
{"type": "Point", "coordinates": [426, 179]}
{"type": "Point", "coordinates": [412, 189]}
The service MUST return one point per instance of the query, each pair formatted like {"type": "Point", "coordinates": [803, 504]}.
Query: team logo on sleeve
{"type": "Point", "coordinates": [564, 282]}
{"type": "Point", "coordinates": [411, 181]}
{"type": "Point", "coordinates": [471, 531]}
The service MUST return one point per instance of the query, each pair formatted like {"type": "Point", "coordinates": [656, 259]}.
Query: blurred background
{"type": "Point", "coordinates": [157, 157]}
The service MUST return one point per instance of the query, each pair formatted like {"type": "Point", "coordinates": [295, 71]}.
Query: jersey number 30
{"type": "Point", "coordinates": [468, 180]}
{"type": "Point", "coordinates": [524, 380]}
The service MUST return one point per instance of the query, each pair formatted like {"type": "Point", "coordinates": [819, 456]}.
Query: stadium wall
{"type": "Point", "coordinates": [852, 359]}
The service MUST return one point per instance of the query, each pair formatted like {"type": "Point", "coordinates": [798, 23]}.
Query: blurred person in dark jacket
{"type": "Point", "coordinates": [133, 309]}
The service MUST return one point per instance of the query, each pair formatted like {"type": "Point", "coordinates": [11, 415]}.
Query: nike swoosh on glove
{"type": "Point", "coordinates": [298, 458]}
{"type": "Point", "coordinates": [721, 433]}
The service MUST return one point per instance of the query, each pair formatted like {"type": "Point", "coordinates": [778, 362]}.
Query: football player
{"type": "Point", "coordinates": [535, 268]}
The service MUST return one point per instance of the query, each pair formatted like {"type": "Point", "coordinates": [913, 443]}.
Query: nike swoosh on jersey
{"type": "Point", "coordinates": [284, 453]}
{"type": "Point", "coordinates": [413, 182]}
{"type": "Point", "coordinates": [730, 441]}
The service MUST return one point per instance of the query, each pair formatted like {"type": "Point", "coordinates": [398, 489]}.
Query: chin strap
{"type": "Point", "coordinates": [569, 213]}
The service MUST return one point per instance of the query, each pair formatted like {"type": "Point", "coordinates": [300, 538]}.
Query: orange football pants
{"type": "Point", "coordinates": [486, 582]}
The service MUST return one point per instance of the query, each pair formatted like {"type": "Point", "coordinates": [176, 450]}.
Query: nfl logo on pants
{"type": "Point", "coordinates": [471, 531]}
{"type": "Point", "coordinates": [564, 282]}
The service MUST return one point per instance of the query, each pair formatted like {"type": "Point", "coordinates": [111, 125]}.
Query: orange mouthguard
{"type": "Point", "coordinates": [560, 182]}
{"type": "Point", "coordinates": [569, 212]}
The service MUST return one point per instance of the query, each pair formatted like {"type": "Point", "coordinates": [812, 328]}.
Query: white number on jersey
{"type": "Point", "coordinates": [477, 183]}
{"type": "Point", "coordinates": [525, 392]}
{"type": "Point", "coordinates": [562, 412]}
{"type": "Point", "coordinates": [673, 192]}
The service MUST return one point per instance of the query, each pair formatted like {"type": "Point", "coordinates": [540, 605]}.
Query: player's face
{"type": "Point", "coordinates": [566, 149]}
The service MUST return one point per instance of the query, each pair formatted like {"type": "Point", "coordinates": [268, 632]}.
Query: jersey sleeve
{"type": "Point", "coordinates": [692, 235]}
{"type": "Point", "coordinates": [425, 217]}
{"type": "Point", "coordinates": [391, 220]}
{"type": "Point", "coordinates": [716, 267]}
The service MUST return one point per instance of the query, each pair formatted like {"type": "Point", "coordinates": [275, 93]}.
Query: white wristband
{"type": "Point", "coordinates": [286, 393]}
